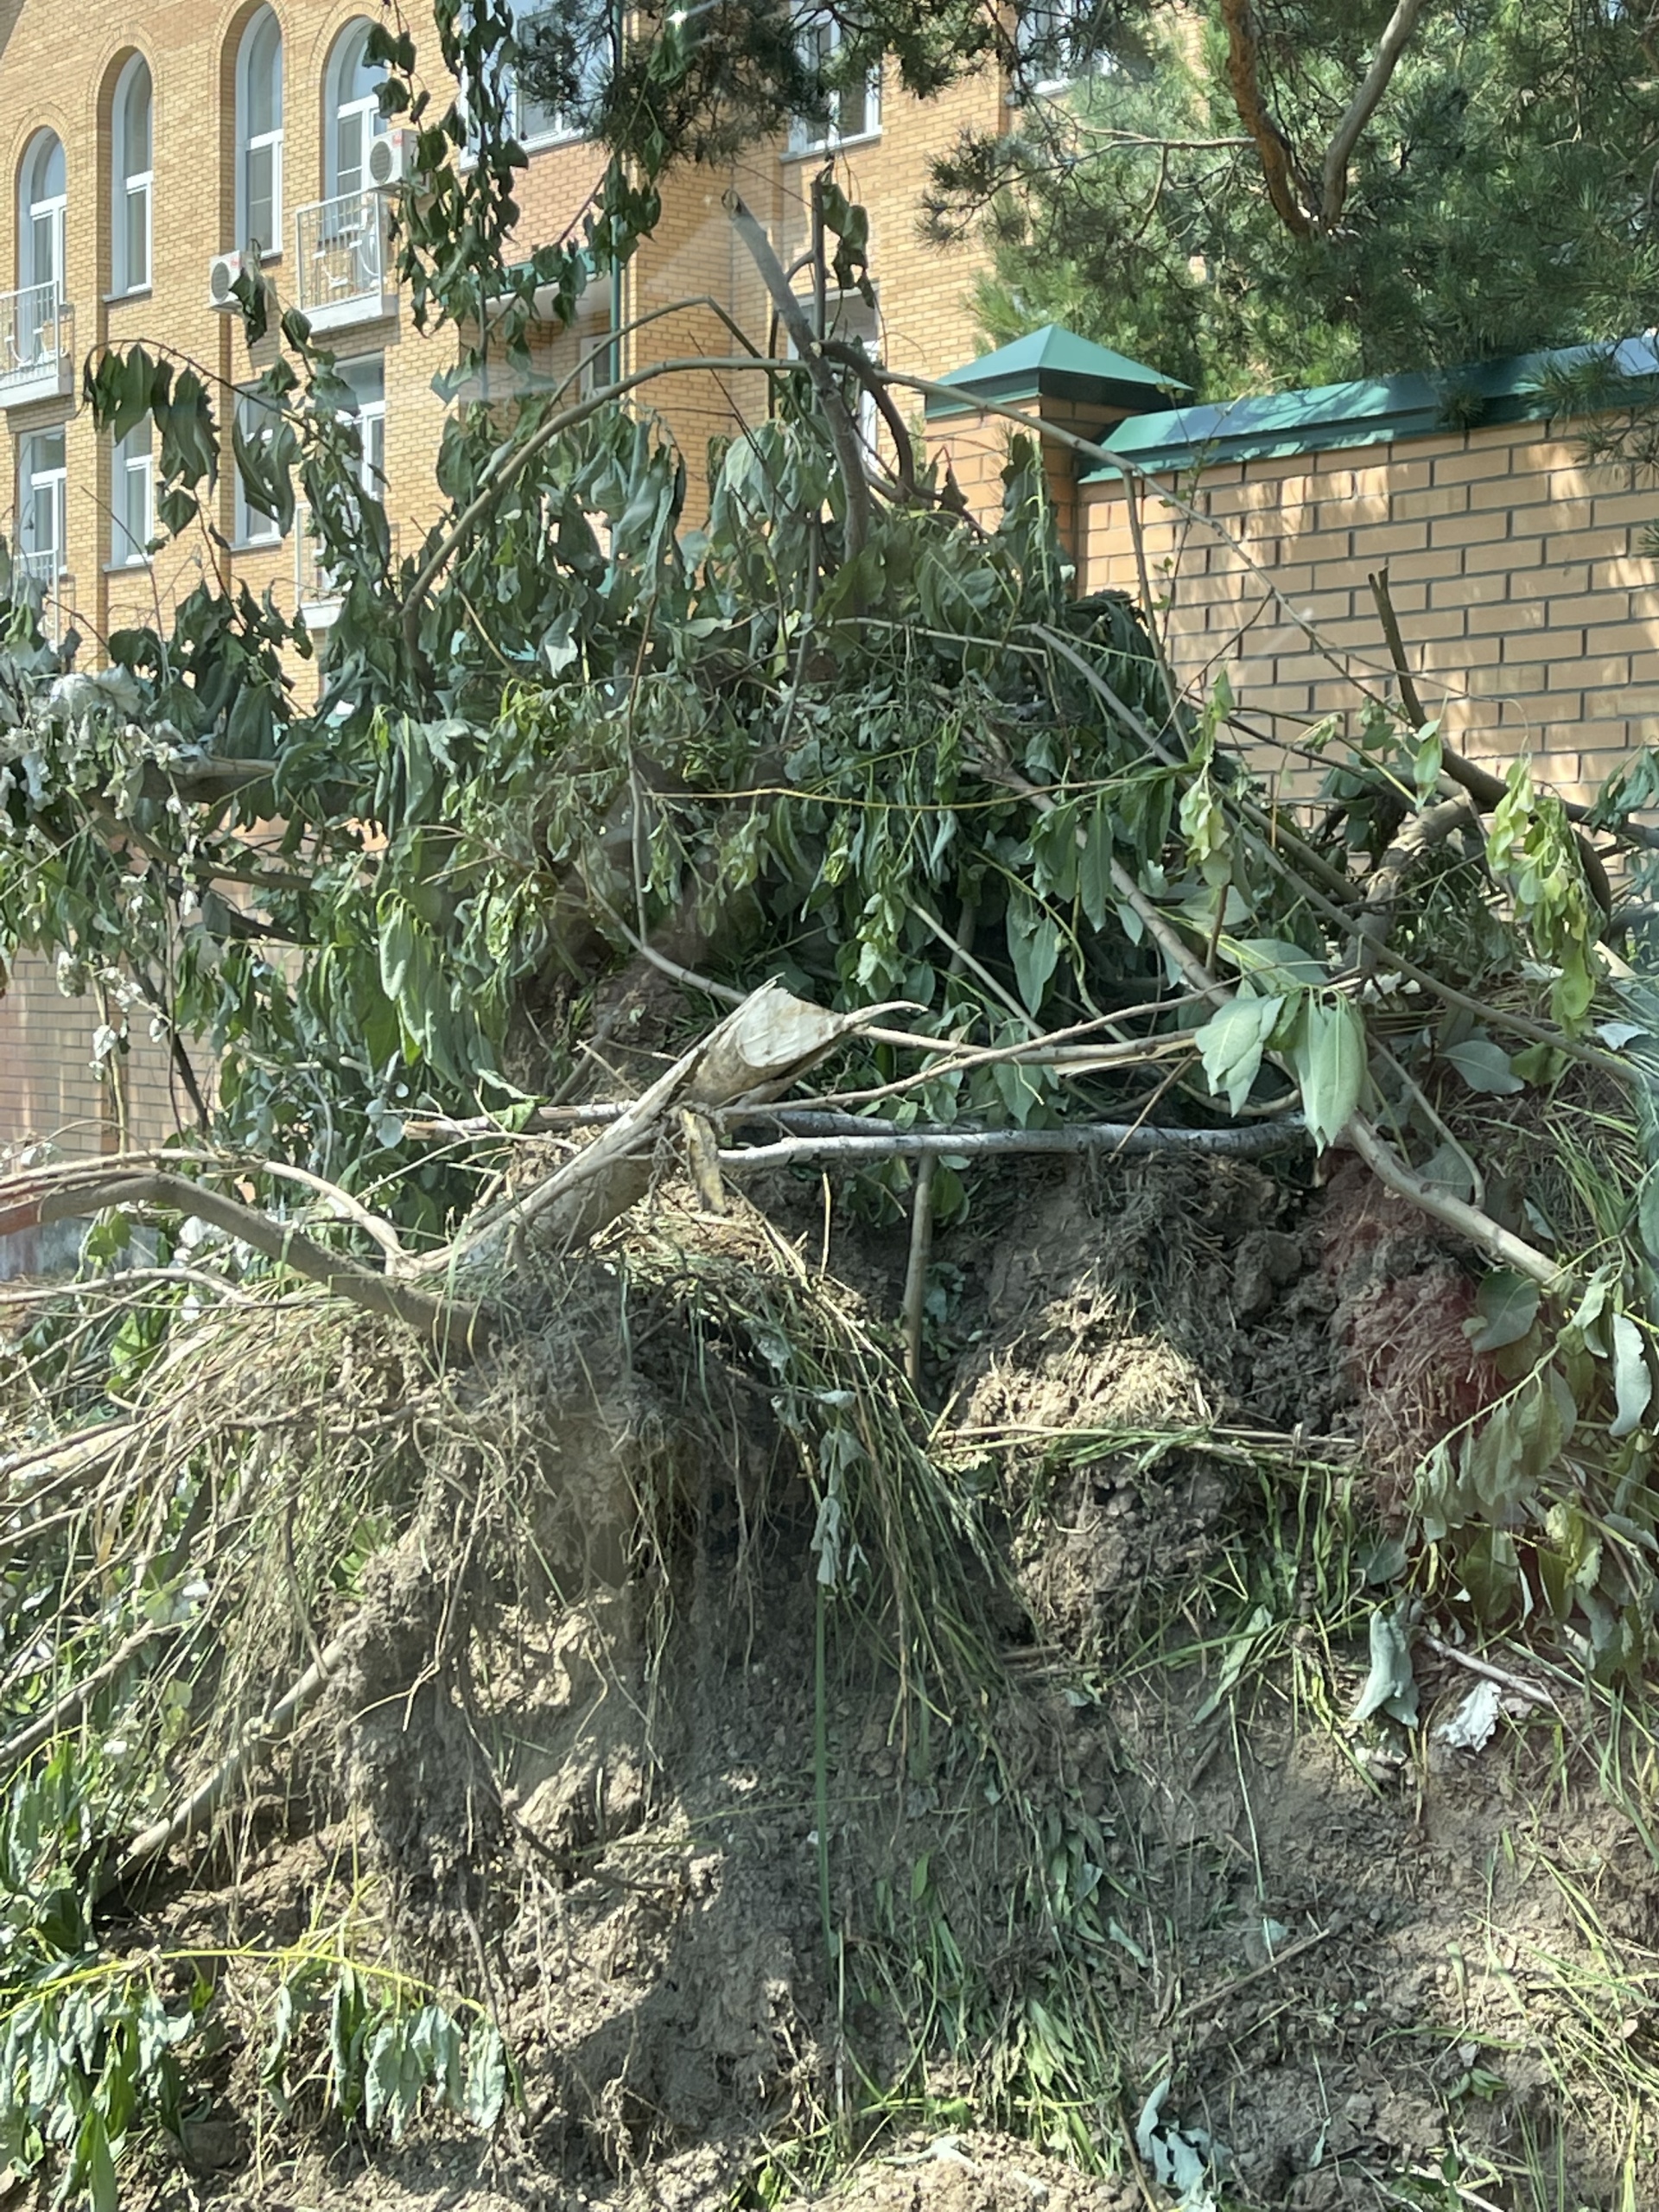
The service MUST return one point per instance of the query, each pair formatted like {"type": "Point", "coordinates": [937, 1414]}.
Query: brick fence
{"type": "Point", "coordinates": [1528, 606]}
{"type": "Point", "coordinates": [1530, 611]}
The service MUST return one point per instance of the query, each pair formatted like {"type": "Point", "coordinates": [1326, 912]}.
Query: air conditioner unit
{"type": "Point", "coordinates": [392, 160]}
{"type": "Point", "coordinates": [222, 272]}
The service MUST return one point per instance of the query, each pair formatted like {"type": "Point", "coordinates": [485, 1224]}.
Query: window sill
{"type": "Point", "coordinates": [531, 147]}
{"type": "Point", "coordinates": [257, 545]}
{"type": "Point", "coordinates": [550, 138]}
{"type": "Point", "coordinates": [129, 568]}
{"type": "Point", "coordinates": [134, 292]}
{"type": "Point", "coordinates": [830, 146]}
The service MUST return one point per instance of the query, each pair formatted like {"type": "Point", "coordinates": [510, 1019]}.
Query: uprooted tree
{"type": "Point", "coordinates": [966, 874]}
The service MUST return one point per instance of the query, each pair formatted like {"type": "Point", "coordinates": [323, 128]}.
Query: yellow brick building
{"type": "Point", "coordinates": [144, 144]}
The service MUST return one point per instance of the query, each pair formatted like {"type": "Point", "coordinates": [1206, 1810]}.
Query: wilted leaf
{"type": "Point", "coordinates": [1390, 1686]}
{"type": "Point", "coordinates": [1470, 1728]}
{"type": "Point", "coordinates": [486, 2074]}
{"type": "Point", "coordinates": [1330, 1064]}
{"type": "Point", "coordinates": [1632, 1378]}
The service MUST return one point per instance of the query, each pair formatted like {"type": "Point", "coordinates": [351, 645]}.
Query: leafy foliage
{"type": "Point", "coordinates": [1497, 201]}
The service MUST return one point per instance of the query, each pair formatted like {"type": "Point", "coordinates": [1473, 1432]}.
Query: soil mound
{"type": "Point", "coordinates": [806, 1830]}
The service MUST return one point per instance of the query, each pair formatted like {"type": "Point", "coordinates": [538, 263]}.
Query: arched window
{"type": "Point", "coordinates": [259, 134]}
{"type": "Point", "coordinates": [130, 217]}
{"type": "Point", "coordinates": [43, 199]}
{"type": "Point", "coordinates": [352, 114]}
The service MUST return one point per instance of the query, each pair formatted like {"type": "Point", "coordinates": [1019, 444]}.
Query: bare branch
{"type": "Point", "coordinates": [1333, 182]}
{"type": "Point", "coordinates": [843, 431]}
{"type": "Point", "coordinates": [442, 1322]}
{"type": "Point", "coordinates": [1118, 1139]}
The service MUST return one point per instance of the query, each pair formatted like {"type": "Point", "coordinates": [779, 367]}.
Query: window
{"type": "Point", "coordinates": [45, 197]}
{"type": "Point", "coordinates": [256, 419]}
{"type": "Point", "coordinates": [129, 218]}
{"type": "Point", "coordinates": [849, 317]}
{"type": "Point", "coordinates": [1059, 42]}
{"type": "Point", "coordinates": [259, 134]}
{"type": "Point", "coordinates": [855, 109]}
{"type": "Point", "coordinates": [132, 523]}
{"type": "Point", "coordinates": [43, 502]}
{"type": "Point", "coordinates": [573, 361]}
{"type": "Point", "coordinates": [353, 116]}
{"type": "Point", "coordinates": [367, 409]}
{"type": "Point", "coordinates": [533, 123]}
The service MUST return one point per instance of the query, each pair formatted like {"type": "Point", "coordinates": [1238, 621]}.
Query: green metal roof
{"type": "Point", "coordinates": [1370, 411]}
{"type": "Point", "coordinates": [1054, 363]}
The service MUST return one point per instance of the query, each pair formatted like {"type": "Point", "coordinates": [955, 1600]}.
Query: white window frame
{"type": "Point", "coordinates": [826, 32]}
{"type": "Point", "coordinates": [363, 111]}
{"type": "Point", "coordinates": [249, 143]}
{"type": "Point", "coordinates": [250, 526]}
{"type": "Point", "coordinates": [130, 184]}
{"type": "Point", "coordinates": [559, 131]}
{"type": "Point", "coordinates": [33, 478]}
{"type": "Point", "coordinates": [132, 497]}
{"type": "Point", "coordinates": [849, 317]}
{"type": "Point", "coordinates": [1052, 19]}
{"type": "Point", "coordinates": [369, 414]}
{"type": "Point", "coordinates": [49, 207]}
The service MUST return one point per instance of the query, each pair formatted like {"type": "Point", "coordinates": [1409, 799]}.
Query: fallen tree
{"type": "Point", "coordinates": [332, 1405]}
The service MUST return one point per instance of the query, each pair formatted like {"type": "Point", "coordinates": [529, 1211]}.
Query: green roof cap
{"type": "Point", "coordinates": [1054, 363]}
{"type": "Point", "coordinates": [1370, 411]}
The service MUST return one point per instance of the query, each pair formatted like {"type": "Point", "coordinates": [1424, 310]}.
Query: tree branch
{"type": "Point", "coordinates": [1333, 182]}
{"type": "Point", "coordinates": [515, 460]}
{"type": "Point", "coordinates": [843, 431]}
{"type": "Point", "coordinates": [1484, 788]}
{"type": "Point", "coordinates": [1270, 141]}
{"type": "Point", "coordinates": [445, 1324]}
{"type": "Point", "coordinates": [1124, 1139]}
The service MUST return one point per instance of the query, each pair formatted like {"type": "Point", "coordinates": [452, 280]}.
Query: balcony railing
{"type": "Point", "coordinates": [345, 264]}
{"type": "Point", "coordinates": [37, 346]}
{"type": "Point", "coordinates": [45, 571]}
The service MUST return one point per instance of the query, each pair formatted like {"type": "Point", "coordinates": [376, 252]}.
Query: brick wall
{"type": "Point", "coordinates": [1530, 611]}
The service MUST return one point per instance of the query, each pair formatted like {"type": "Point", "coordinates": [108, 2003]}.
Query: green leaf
{"type": "Point", "coordinates": [1483, 1066]}
{"type": "Point", "coordinates": [1508, 1305]}
{"type": "Point", "coordinates": [1390, 1686]}
{"type": "Point", "coordinates": [486, 2074]}
{"type": "Point", "coordinates": [383, 2072]}
{"type": "Point", "coordinates": [1033, 947]}
{"type": "Point", "coordinates": [1274, 963]}
{"type": "Point", "coordinates": [1231, 1043]}
{"type": "Point", "coordinates": [1095, 868]}
{"type": "Point", "coordinates": [1632, 1377]}
{"type": "Point", "coordinates": [1330, 1064]}
{"type": "Point", "coordinates": [98, 2164]}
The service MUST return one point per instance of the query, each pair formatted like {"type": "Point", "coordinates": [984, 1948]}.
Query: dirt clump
{"type": "Point", "coordinates": [650, 1739]}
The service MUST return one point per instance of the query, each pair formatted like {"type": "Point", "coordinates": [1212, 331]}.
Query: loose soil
{"type": "Point", "coordinates": [1371, 1972]}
